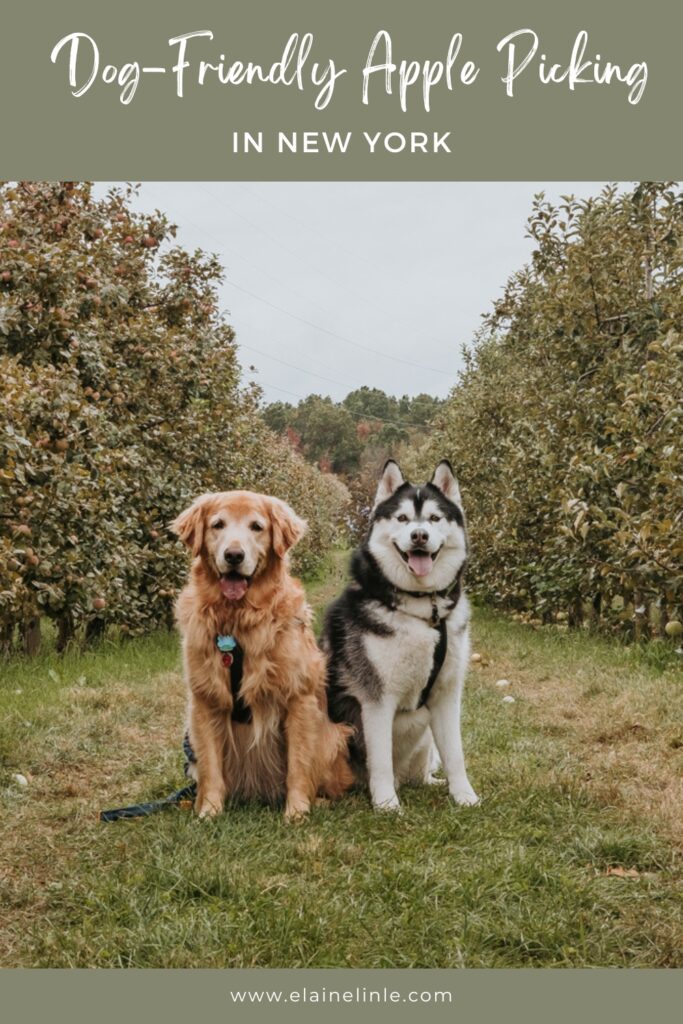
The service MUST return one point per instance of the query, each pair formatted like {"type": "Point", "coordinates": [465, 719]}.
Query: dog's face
{"type": "Point", "coordinates": [418, 534]}
{"type": "Point", "coordinates": [238, 535]}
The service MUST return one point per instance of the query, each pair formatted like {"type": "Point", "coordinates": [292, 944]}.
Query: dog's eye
{"type": "Point", "coordinates": [435, 519]}
{"type": "Point", "coordinates": [218, 525]}
{"type": "Point", "coordinates": [256, 527]}
{"type": "Point", "coordinates": [402, 518]}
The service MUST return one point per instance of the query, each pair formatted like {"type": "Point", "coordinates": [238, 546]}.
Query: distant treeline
{"type": "Point", "coordinates": [340, 436]}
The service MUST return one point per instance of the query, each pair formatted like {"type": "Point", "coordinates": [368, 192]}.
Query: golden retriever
{"type": "Point", "coordinates": [272, 738]}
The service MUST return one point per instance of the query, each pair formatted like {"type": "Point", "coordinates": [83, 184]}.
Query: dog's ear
{"type": "Point", "coordinates": [389, 482]}
{"type": "Point", "coordinates": [288, 528]}
{"type": "Point", "coordinates": [189, 525]}
{"type": "Point", "coordinates": [444, 479]}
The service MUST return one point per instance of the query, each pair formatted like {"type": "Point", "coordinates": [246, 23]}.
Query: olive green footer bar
{"type": "Point", "coordinates": [176, 997]}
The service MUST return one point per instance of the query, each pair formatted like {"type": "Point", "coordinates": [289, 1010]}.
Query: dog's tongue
{"type": "Point", "coordinates": [421, 564]}
{"type": "Point", "coordinates": [233, 589]}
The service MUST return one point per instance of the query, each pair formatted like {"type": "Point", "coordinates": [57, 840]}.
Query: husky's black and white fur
{"type": "Point", "coordinates": [397, 640]}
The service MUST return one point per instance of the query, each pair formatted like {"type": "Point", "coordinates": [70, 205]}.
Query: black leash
{"type": "Point", "coordinates": [232, 655]}
{"type": "Point", "coordinates": [143, 810]}
{"type": "Point", "coordinates": [188, 792]}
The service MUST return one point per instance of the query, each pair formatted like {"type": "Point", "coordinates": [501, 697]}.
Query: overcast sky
{"type": "Point", "coordinates": [392, 278]}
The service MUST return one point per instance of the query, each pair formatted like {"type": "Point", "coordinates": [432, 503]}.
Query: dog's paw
{"type": "Point", "coordinates": [209, 806]}
{"type": "Point", "coordinates": [434, 780]}
{"type": "Point", "coordinates": [296, 812]}
{"type": "Point", "coordinates": [207, 811]}
{"type": "Point", "coordinates": [391, 803]}
{"type": "Point", "coordinates": [465, 796]}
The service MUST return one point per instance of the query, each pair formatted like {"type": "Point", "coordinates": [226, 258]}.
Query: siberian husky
{"type": "Point", "coordinates": [397, 639]}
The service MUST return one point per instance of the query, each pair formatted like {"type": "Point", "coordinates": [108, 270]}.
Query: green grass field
{"type": "Point", "coordinates": [572, 859]}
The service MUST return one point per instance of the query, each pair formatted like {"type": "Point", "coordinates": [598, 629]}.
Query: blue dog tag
{"type": "Point", "coordinates": [226, 644]}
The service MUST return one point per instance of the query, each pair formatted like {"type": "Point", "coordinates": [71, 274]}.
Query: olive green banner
{"type": "Point", "coordinates": [470, 997]}
{"type": "Point", "coordinates": [310, 89]}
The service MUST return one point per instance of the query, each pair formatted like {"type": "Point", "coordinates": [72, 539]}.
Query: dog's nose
{"type": "Point", "coordinates": [419, 536]}
{"type": "Point", "coordinates": [234, 556]}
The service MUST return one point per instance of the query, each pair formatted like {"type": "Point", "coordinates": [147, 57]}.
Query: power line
{"type": "Point", "coordinates": [297, 351]}
{"type": "Point", "coordinates": [361, 415]}
{"type": "Point", "coordinates": [292, 252]}
{"type": "Point", "coordinates": [285, 391]}
{"type": "Point", "coordinates": [309, 323]}
{"type": "Point", "coordinates": [339, 337]}
{"type": "Point", "coordinates": [259, 269]}
{"type": "Point", "coordinates": [293, 366]}
{"type": "Point", "coordinates": [335, 241]}
{"type": "Point", "coordinates": [282, 284]}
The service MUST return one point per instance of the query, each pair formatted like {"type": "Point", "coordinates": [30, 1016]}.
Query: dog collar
{"type": "Point", "coordinates": [452, 593]}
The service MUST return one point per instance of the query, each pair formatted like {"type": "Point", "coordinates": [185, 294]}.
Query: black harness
{"type": "Point", "coordinates": [437, 664]}
{"type": "Point", "coordinates": [241, 712]}
{"type": "Point", "coordinates": [452, 594]}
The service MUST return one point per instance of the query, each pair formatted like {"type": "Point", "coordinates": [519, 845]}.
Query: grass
{"type": "Point", "coordinates": [580, 777]}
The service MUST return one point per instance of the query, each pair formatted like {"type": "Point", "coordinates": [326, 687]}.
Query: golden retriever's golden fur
{"type": "Point", "coordinates": [290, 749]}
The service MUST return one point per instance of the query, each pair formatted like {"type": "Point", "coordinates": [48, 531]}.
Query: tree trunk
{"type": "Point", "coordinates": [94, 630]}
{"type": "Point", "coordinates": [65, 631]}
{"type": "Point", "coordinates": [31, 636]}
{"type": "Point", "coordinates": [597, 611]}
{"type": "Point", "coordinates": [6, 639]}
{"type": "Point", "coordinates": [169, 617]}
{"type": "Point", "coordinates": [663, 618]}
{"type": "Point", "coordinates": [575, 616]}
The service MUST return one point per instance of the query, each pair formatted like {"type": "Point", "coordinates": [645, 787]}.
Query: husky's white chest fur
{"type": "Point", "coordinates": [404, 659]}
